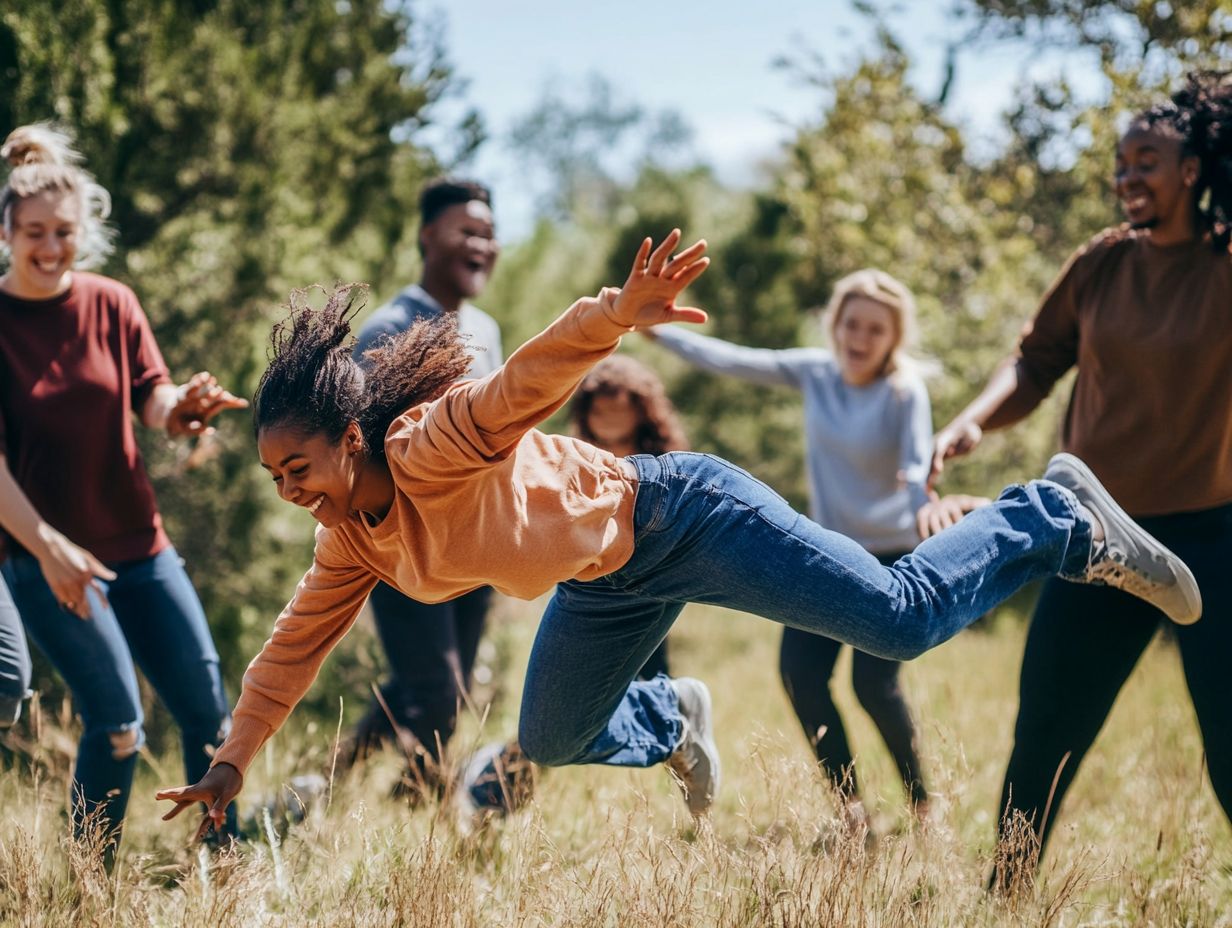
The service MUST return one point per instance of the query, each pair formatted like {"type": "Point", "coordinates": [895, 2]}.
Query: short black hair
{"type": "Point", "coordinates": [444, 192]}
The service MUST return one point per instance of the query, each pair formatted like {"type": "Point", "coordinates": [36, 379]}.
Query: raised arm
{"type": "Point", "coordinates": [1048, 348]}
{"type": "Point", "coordinates": [768, 366]}
{"type": "Point", "coordinates": [481, 422]}
{"type": "Point", "coordinates": [326, 604]}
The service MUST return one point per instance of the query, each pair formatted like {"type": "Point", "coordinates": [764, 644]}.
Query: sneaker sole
{"type": "Point", "coordinates": [704, 734]}
{"type": "Point", "coordinates": [1185, 580]}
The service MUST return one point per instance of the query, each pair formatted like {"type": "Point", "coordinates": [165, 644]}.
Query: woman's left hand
{"type": "Point", "coordinates": [649, 295]}
{"type": "Point", "coordinates": [940, 513]}
{"type": "Point", "coordinates": [197, 402]}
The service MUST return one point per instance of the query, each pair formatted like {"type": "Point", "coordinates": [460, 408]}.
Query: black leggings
{"type": "Point", "coordinates": [806, 664]}
{"type": "Point", "coordinates": [1083, 643]}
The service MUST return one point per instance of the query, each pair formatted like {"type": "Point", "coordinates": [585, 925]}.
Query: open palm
{"type": "Point", "coordinates": [648, 297]}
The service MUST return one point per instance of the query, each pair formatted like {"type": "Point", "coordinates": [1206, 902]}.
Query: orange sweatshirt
{"type": "Point", "coordinates": [480, 498]}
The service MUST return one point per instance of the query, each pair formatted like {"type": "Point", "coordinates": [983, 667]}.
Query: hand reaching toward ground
{"type": "Point", "coordinates": [220, 785]}
{"type": "Point", "coordinates": [649, 295]}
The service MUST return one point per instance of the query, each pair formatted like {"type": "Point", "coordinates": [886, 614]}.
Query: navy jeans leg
{"type": "Point", "coordinates": [580, 704]}
{"type": "Point", "coordinates": [166, 630]}
{"type": "Point", "coordinates": [93, 657]}
{"type": "Point", "coordinates": [431, 650]}
{"type": "Point", "coordinates": [706, 531]}
{"type": "Point", "coordinates": [14, 660]}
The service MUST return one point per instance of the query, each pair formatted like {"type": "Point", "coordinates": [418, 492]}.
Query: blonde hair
{"type": "Point", "coordinates": [888, 291]}
{"type": "Point", "coordinates": [42, 160]}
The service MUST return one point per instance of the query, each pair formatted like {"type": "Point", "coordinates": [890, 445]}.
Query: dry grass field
{"type": "Point", "coordinates": [1141, 839]}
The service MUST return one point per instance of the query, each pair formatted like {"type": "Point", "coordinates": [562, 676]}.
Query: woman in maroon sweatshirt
{"type": "Point", "coordinates": [95, 579]}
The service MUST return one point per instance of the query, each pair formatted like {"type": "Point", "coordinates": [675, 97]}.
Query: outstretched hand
{"type": "Point", "coordinates": [220, 785]}
{"type": "Point", "coordinates": [198, 401]}
{"type": "Point", "coordinates": [649, 295]}
{"type": "Point", "coordinates": [958, 438]}
{"type": "Point", "coordinates": [939, 513]}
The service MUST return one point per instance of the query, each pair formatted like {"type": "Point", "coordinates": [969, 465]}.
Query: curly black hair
{"type": "Point", "coordinates": [313, 383]}
{"type": "Point", "coordinates": [1200, 115]}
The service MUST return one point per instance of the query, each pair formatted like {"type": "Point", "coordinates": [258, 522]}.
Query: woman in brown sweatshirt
{"type": "Point", "coordinates": [437, 488]}
{"type": "Point", "coordinates": [1144, 312]}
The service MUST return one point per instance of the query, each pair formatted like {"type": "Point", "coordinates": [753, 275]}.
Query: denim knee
{"type": "Point", "coordinates": [546, 748]}
{"type": "Point", "coordinates": [119, 742]}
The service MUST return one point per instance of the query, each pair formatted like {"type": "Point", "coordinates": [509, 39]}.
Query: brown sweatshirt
{"type": "Point", "coordinates": [1150, 330]}
{"type": "Point", "coordinates": [480, 498]}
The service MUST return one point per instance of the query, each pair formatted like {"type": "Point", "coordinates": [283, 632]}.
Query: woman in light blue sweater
{"type": "Point", "coordinates": [868, 440]}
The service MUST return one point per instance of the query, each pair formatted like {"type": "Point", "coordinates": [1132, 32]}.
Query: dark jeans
{"type": "Point", "coordinates": [431, 651]}
{"type": "Point", "coordinates": [706, 531]}
{"type": "Point", "coordinates": [806, 665]}
{"type": "Point", "coordinates": [152, 616]}
{"type": "Point", "coordinates": [1083, 643]}
{"type": "Point", "coordinates": [14, 660]}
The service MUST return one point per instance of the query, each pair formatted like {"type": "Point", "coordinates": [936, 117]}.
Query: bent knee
{"type": "Point", "coordinates": [545, 750]}
{"type": "Point", "coordinates": [125, 743]}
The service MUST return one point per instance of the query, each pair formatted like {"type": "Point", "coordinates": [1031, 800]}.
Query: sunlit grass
{"type": "Point", "coordinates": [1140, 840]}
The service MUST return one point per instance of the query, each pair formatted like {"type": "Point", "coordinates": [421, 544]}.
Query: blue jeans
{"type": "Point", "coordinates": [152, 615]}
{"type": "Point", "coordinates": [14, 660]}
{"type": "Point", "coordinates": [705, 531]}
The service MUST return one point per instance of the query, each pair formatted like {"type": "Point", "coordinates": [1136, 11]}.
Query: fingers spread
{"type": "Point", "coordinates": [691, 273]}
{"type": "Point", "coordinates": [659, 258]}
{"type": "Point", "coordinates": [179, 807]}
{"type": "Point", "coordinates": [682, 260]}
{"type": "Point", "coordinates": [639, 260]}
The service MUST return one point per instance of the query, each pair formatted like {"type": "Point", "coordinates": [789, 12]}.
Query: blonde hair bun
{"type": "Point", "coordinates": [44, 160]}
{"type": "Point", "coordinates": [39, 143]}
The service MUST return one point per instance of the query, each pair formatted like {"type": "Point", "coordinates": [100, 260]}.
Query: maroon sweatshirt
{"type": "Point", "coordinates": [74, 370]}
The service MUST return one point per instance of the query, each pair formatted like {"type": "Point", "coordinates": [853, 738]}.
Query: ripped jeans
{"type": "Point", "coordinates": [14, 660]}
{"type": "Point", "coordinates": [153, 616]}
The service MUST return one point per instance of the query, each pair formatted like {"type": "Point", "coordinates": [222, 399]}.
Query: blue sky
{"type": "Point", "coordinates": [710, 61]}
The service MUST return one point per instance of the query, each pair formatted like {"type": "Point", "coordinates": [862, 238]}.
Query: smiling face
{"type": "Point", "coordinates": [459, 250]}
{"type": "Point", "coordinates": [613, 420]}
{"type": "Point", "coordinates": [864, 335]}
{"type": "Point", "coordinates": [312, 472]}
{"type": "Point", "coordinates": [1154, 182]}
{"type": "Point", "coordinates": [43, 240]}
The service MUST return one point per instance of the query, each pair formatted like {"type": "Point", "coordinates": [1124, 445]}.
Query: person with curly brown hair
{"type": "Point", "coordinates": [622, 406]}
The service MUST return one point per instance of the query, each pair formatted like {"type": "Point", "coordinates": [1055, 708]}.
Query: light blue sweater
{"type": "Point", "coordinates": [858, 440]}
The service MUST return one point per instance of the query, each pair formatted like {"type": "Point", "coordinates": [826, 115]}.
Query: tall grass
{"type": "Point", "coordinates": [1140, 840]}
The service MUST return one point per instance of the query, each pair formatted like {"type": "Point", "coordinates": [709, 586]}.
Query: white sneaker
{"type": "Point", "coordinates": [695, 762]}
{"type": "Point", "coordinates": [496, 780]}
{"type": "Point", "coordinates": [1129, 558]}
